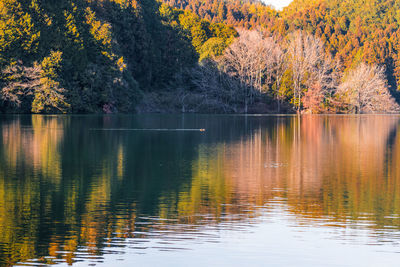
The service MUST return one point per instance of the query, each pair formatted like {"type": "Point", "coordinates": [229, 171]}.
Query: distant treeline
{"type": "Point", "coordinates": [108, 56]}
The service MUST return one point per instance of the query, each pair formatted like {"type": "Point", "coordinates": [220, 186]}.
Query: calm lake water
{"type": "Point", "coordinates": [247, 191]}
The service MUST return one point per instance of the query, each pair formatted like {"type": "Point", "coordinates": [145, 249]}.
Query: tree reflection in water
{"type": "Point", "coordinates": [68, 193]}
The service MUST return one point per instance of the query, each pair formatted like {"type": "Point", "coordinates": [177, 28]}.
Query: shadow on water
{"type": "Point", "coordinates": [68, 193]}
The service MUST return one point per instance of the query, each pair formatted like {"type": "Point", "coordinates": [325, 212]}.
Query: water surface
{"type": "Point", "coordinates": [248, 191]}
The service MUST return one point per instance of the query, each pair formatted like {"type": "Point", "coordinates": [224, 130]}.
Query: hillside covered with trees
{"type": "Point", "coordinates": [94, 56]}
{"type": "Point", "coordinates": [225, 56]}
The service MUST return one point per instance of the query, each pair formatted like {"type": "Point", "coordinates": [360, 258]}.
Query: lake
{"type": "Point", "coordinates": [200, 190]}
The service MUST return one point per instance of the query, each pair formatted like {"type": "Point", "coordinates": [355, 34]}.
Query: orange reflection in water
{"type": "Point", "coordinates": [337, 166]}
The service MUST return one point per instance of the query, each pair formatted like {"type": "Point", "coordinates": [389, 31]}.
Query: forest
{"type": "Point", "coordinates": [205, 56]}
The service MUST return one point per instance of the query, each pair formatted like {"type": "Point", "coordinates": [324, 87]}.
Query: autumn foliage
{"type": "Point", "coordinates": [109, 56]}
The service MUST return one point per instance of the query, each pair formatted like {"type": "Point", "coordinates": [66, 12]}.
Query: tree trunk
{"type": "Point", "coordinates": [279, 106]}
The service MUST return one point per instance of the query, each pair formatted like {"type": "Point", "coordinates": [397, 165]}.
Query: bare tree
{"type": "Point", "coordinates": [365, 90]}
{"type": "Point", "coordinates": [277, 68]}
{"type": "Point", "coordinates": [19, 82]}
{"type": "Point", "coordinates": [215, 86]}
{"type": "Point", "coordinates": [273, 61]}
{"type": "Point", "coordinates": [247, 60]}
{"type": "Point", "coordinates": [251, 66]}
{"type": "Point", "coordinates": [306, 59]}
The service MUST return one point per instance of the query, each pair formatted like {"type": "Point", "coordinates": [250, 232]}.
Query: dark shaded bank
{"type": "Point", "coordinates": [170, 102]}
